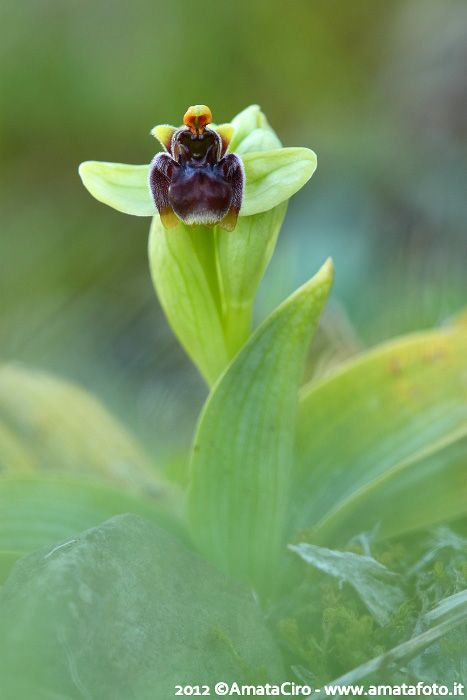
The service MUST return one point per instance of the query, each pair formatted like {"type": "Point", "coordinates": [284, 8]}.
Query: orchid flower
{"type": "Point", "coordinates": [206, 263]}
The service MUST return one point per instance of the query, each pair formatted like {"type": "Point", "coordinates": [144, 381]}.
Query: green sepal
{"type": "Point", "coordinates": [120, 186]}
{"type": "Point", "coordinates": [259, 140]}
{"type": "Point", "coordinates": [273, 177]}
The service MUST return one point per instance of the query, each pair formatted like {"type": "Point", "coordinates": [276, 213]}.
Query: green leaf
{"type": "Point", "coordinates": [15, 455]}
{"type": "Point", "coordinates": [448, 607]}
{"type": "Point", "coordinates": [271, 177]}
{"type": "Point", "coordinates": [419, 492]}
{"type": "Point", "coordinates": [242, 258]}
{"type": "Point", "coordinates": [381, 441]}
{"type": "Point", "coordinates": [183, 268]}
{"type": "Point", "coordinates": [48, 424]}
{"type": "Point", "coordinates": [238, 497]}
{"type": "Point", "coordinates": [37, 510]}
{"type": "Point", "coordinates": [206, 282]}
{"type": "Point", "coordinates": [125, 611]}
{"type": "Point", "coordinates": [244, 254]}
{"type": "Point", "coordinates": [7, 559]}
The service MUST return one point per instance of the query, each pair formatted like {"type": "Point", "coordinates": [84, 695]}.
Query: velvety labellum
{"type": "Point", "coordinates": [194, 181]}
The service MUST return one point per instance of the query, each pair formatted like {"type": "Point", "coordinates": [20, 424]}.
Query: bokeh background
{"type": "Point", "coordinates": [377, 89]}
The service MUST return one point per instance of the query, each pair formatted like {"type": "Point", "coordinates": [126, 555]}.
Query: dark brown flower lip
{"type": "Point", "coordinates": [195, 181]}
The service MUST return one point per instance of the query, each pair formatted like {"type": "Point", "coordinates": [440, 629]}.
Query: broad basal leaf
{"type": "Point", "coordinates": [241, 462]}
{"type": "Point", "coordinates": [382, 440]}
{"type": "Point", "coordinates": [125, 611]}
{"type": "Point", "coordinates": [7, 559]}
{"type": "Point", "coordinates": [416, 493]}
{"type": "Point", "coordinates": [36, 510]}
{"type": "Point", "coordinates": [48, 424]}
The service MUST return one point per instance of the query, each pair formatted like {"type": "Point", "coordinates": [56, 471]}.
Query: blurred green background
{"type": "Point", "coordinates": [377, 89]}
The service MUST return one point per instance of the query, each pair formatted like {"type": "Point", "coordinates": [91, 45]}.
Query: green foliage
{"type": "Point", "coordinates": [40, 510]}
{"type": "Point", "coordinates": [389, 429]}
{"type": "Point", "coordinates": [374, 450]}
{"type": "Point", "coordinates": [7, 559]}
{"type": "Point", "coordinates": [184, 271]}
{"type": "Point", "coordinates": [124, 610]}
{"type": "Point", "coordinates": [53, 426]}
{"type": "Point", "coordinates": [241, 463]}
{"type": "Point", "coordinates": [378, 587]}
{"type": "Point", "coordinates": [327, 629]}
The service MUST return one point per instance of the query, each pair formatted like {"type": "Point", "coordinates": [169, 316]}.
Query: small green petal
{"type": "Point", "coordinates": [271, 177]}
{"type": "Point", "coordinates": [244, 123]}
{"type": "Point", "coordinates": [123, 187]}
{"type": "Point", "coordinates": [259, 140]}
